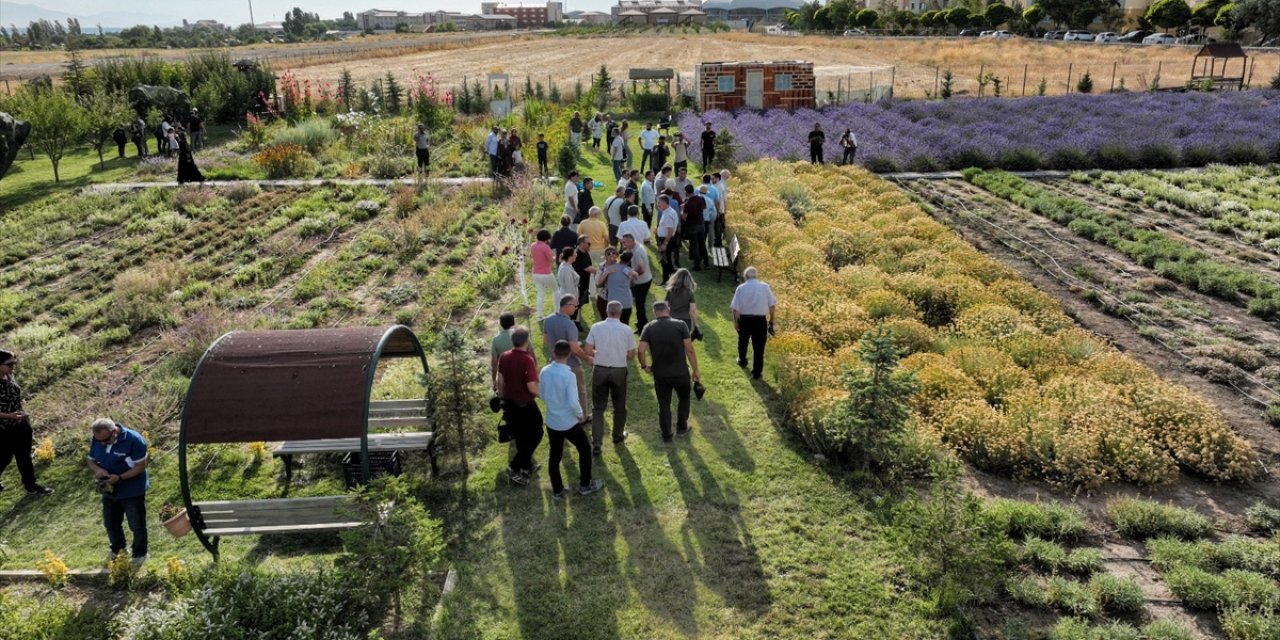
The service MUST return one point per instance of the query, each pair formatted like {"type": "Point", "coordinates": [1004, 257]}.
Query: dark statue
{"type": "Point", "coordinates": [13, 133]}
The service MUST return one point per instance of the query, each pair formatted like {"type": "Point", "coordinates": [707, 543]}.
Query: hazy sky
{"type": "Point", "coordinates": [237, 11]}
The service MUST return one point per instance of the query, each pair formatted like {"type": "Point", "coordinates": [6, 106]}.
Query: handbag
{"type": "Point", "coordinates": [698, 389]}
{"type": "Point", "coordinates": [697, 333]}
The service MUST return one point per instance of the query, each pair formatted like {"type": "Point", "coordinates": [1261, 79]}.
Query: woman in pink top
{"type": "Point", "coordinates": [544, 258]}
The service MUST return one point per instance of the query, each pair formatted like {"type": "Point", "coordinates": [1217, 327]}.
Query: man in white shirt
{"type": "Point", "coordinates": [664, 175]}
{"type": "Point", "coordinates": [491, 147]}
{"type": "Point", "coordinates": [682, 179]}
{"type": "Point", "coordinates": [614, 211]}
{"type": "Point", "coordinates": [571, 197]}
{"type": "Point", "coordinates": [648, 198]}
{"type": "Point", "coordinates": [634, 225]}
{"type": "Point", "coordinates": [753, 308]}
{"type": "Point", "coordinates": [640, 264]}
{"type": "Point", "coordinates": [648, 138]}
{"type": "Point", "coordinates": [611, 344]}
{"type": "Point", "coordinates": [618, 153]}
{"type": "Point", "coordinates": [668, 237]}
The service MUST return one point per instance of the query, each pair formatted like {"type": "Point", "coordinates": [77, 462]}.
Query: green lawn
{"type": "Point", "coordinates": [735, 533]}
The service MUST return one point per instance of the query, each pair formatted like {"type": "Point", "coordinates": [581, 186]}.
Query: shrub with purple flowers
{"type": "Point", "coordinates": [1114, 131]}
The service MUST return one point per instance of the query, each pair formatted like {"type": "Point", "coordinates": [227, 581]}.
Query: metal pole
{"type": "Point", "coordinates": [893, 78]}
{"type": "Point", "coordinates": [1159, 67]}
{"type": "Point", "coordinates": [1070, 68]}
{"type": "Point", "coordinates": [1113, 76]}
{"type": "Point", "coordinates": [936, 72]}
{"type": "Point", "coordinates": [871, 86]}
{"type": "Point", "coordinates": [1024, 79]}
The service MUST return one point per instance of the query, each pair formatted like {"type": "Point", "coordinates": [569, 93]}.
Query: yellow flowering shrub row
{"type": "Point", "coordinates": [1006, 379]}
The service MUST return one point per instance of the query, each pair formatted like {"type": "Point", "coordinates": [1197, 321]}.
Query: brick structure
{"type": "Point", "coordinates": [526, 16]}
{"type": "Point", "coordinates": [756, 85]}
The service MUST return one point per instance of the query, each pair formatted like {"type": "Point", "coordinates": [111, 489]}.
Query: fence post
{"type": "Point", "coordinates": [1070, 68]}
{"type": "Point", "coordinates": [871, 87]}
{"type": "Point", "coordinates": [893, 78]}
{"type": "Point", "coordinates": [1159, 68]}
{"type": "Point", "coordinates": [1025, 67]}
{"type": "Point", "coordinates": [936, 72]}
{"type": "Point", "coordinates": [982, 69]}
{"type": "Point", "coordinates": [1113, 76]}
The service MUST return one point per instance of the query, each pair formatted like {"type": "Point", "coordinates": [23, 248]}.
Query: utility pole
{"type": "Point", "coordinates": [251, 22]}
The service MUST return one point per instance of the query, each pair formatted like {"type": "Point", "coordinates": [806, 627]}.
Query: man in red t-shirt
{"type": "Point", "coordinates": [518, 387]}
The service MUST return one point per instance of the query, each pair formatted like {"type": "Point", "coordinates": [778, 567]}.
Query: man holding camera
{"type": "Point", "coordinates": [118, 459]}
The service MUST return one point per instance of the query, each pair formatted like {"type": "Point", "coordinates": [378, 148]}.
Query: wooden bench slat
{"type": "Point", "coordinates": [377, 442]}
{"type": "Point", "coordinates": [244, 531]}
{"type": "Point", "coordinates": [273, 504]}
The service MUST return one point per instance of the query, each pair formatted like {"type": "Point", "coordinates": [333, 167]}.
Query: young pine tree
{"type": "Point", "coordinates": [393, 93]}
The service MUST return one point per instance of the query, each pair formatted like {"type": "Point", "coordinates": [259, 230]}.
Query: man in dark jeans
{"type": "Point", "coordinates": [518, 387]}
{"type": "Point", "coordinates": [118, 459]}
{"type": "Point", "coordinates": [565, 421]}
{"type": "Point", "coordinates": [671, 344]}
{"type": "Point", "coordinates": [708, 148]}
{"type": "Point", "coordinates": [692, 227]}
{"type": "Point", "coordinates": [753, 308]}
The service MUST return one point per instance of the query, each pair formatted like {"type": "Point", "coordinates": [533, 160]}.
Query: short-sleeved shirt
{"type": "Point", "coordinates": [611, 340]}
{"type": "Point", "coordinates": [668, 222]}
{"type": "Point", "coordinates": [563, 237]}
{"type": "Point", "coordinates": [571, 195]}
{"type": "Point", "coordinates": [518, 368]}
{"type": "Point", "coordinates": [613, 208]}
{"type": "Point", "coordinates": [543, 258]}
{"type": "Point", "coordinates": [558, 326]}
{"type": "Point", "coordinates": [709, 211]}
{"type": "Point", "coordinates": [648, 138]}
{"type": "Point", "coordinates": [694, 208]}
{"type": "Point", "coordinates": [597, 231]}
{"type": "Point", "coordinates": [501, 343]}
{"type": "Point", "coordinates": [708, 141]}
{"type": "Point", "coordinates": [580, 265]}
{"type": "Point", "coordinates": [679, 301]}
{"type": "Point", "coordinates": [665, 337]}
{"type": "Point", "coordinates": [636, 227]}
{"type": "Point", "coordinates": [753, 298]}
{"type": "Point", "coordinates": [618, 148]}
{"type": "Point", "coordinates": [585, 202]}
{"type": "Point", "coordinates": [559, 390]}
{"type": "Point", "coordinates": [128, 450]}
{"type": "Point", "coordinates": [640, 258]}
{"type": "Point", "coordinates": [420, 140]}
{"type": "Point", "coordinates": [542, 148]}
{"type": "Point", "coordinates": [10, 400]}
{"type": "Point", "coordinates": [617, 284]}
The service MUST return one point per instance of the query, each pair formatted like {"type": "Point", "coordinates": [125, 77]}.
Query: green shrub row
{"type": "Point", "coordinates": [1102, 594]}
{"type": "Point", "coordinates": [1143, 519]}
{"type": "Point", "coordinates": [1080, 629]}
{"type": "Point", "coordinates": [1152, 249]}
{"type": "Point", "coordinates": [1044, 520]}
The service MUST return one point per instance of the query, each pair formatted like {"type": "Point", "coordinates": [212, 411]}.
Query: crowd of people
{"type": "Point", "coordinates": [607, 258]}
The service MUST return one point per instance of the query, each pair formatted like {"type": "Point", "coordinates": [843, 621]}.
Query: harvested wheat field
{"type": "Point", "coordinates": [839, 61]}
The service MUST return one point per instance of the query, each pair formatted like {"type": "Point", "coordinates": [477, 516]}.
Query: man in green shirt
{"type": "Point", "coordinates": [500, 345]}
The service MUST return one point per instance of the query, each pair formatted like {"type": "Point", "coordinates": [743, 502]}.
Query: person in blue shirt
{"type": "Point", "coordinates": [565, 420]}
{"type": "Point", "coordinates": [118, 459]}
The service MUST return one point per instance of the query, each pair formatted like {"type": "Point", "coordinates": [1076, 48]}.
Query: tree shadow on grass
{"type": "Point", "coordinates": [713, 422]}
{"type": "Point", "coordinates": [726, 557]}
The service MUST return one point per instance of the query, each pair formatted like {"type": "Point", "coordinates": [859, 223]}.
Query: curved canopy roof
{"type": "Point", "coordinates": [253, 386]}
{"type": "Point", "coordinates": [762, 5]}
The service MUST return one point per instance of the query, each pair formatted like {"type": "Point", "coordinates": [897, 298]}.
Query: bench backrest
{"type": "Point", "coordinates": [385, 414]}
{"type": "Point", "coordinates": [279, 512]}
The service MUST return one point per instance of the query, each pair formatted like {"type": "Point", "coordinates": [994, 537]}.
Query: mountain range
{"type": "Point", "coordinates": [20, 14]}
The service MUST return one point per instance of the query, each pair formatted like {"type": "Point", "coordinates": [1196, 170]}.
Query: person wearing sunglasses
{"type": "Point", "coordinates": [15, 428]}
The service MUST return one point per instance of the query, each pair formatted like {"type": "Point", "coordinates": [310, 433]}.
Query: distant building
{"type": "Point", "coordinates": [588, 17]}
{"type": "Point", "coordinates": [757, 11]}
{"type": "Point", "coordinates": [209, 24]}
{"type": "Point", "coordinates": [526, 15]}
{"type": "Point", "coordinates": [658, 12]}
{"type": "Point", "coordinates": [385, 20]}
{"type": "Point", "coordinates": [269, 28]}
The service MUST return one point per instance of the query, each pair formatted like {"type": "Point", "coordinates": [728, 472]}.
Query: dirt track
{"type": "Point", "coordinates": [839, 61]}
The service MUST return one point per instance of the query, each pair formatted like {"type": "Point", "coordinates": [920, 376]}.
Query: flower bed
{"type": "Point", "coordinates": [1006, 378]}
{"type": "Point", "coordinates": [1117, 131]}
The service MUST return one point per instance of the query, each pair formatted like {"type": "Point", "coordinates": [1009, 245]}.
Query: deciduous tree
{"type": "Point", "coordinates": [1169, 14]}
{"type": "Point", "coordinates": [1263, 15]}
{"type": "Point", "coordinates": [57, 122]}
{"type": "Point", "coordinates": [103, 114]}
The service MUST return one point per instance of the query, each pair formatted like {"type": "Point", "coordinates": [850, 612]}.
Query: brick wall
{"type": "Point", "coordinates": [801, 94]}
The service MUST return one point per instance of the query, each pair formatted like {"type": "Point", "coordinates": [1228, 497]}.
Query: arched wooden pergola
{"type": "Point", "coordinates": [307, 388]}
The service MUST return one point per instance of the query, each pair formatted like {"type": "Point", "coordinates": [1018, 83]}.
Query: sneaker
{"type": "Point", "coordinates": [138, 560]}
{"type": "Point", "coordinates": [666, 437]}
{"type": "Point", "coordinates": [536, 467]}
{"type": "Point", "coordinates": [39, 490]}
{"type": "Point", "coordinates": [683, 433]}
{"type": "Point", "coordinates": [595, 451]}
{"type": "Point", "coordinates": [742, 363]}
{"type": "Point", "coordinates": [755, 376]}
{"type": "Point", "coordinates": [619, 439]}
{"type": "Point", "coordinates": [595, 486]}
{"type": "Point", "coordinates": [560, 495]}
{"type": "Point", "coordinates": [519, 478]}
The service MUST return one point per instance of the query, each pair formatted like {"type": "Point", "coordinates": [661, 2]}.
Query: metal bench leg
{"type": "Point", "coordinates": [431, 453]}
{"type": "Point", "coordinates": [288, 468]}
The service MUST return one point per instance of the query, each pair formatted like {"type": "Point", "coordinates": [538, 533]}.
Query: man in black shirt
{"type": "Point", "coordinates": [582, 265]}
{"type": "Point", "coordinates": [816, 139]}
{"type": "Point", "coordinates": [585, 200]}
{"type": "Point", "coordinates": [564, 237]}
{"type": "Point", "coordinates": [195, 127]}
{"type": "Point", "coordinates": [542, 154]}
{"type": "Point", "coordinates": [670, 341]}
{"type": "Point", "coordinates": [708, 148]}
{"type": "Point", "coordinates": [692, 227]}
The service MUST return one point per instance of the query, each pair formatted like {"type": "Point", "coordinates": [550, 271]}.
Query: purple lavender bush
{"type": "Point", "coordinates": [1116, 131]}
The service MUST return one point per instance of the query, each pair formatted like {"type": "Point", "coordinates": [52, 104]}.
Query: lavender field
{"type": "Point", "coordinates": [1115, 131]}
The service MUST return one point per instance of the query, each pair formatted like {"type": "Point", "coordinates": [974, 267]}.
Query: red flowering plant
{"type": "Point", "coordinates": [432, 106]}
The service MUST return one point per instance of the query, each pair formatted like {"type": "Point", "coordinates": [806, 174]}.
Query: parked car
{"type": "Point", "coordinates": [1002, 35]}
{"type": "Point", "coordinates": [854, 32]}
{"type": "Point", "coordinates": [1134, 36]}
{"type": "Point", "coordinates": [1195, 38]}
{"type": "Point", "coordinates": [1107, 36]}
{"type": "Point", "coordinates": [1078, 36]}
{"type": "Point", "coordinates": [1053, 35]}
{"type": "Point", "coordinates": [1159, 38]}
{"type": "Point", "coordinates": [969, 33]}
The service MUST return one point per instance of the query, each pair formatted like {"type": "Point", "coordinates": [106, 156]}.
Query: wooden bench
{"type": "Point", "coordinates": [382, 414]}
{"type": "Point", "coordinates": [284, 515]}
{"type": "Point", "coordinates": [725, 258]}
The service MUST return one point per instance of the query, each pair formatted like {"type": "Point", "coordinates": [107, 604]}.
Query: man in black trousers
{"type": "Point", "coordinates": [708, 148]}
{"type": "Point", "coordinates": [753, 310]}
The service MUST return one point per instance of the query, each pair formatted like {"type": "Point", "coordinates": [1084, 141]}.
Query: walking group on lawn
{"type": "Point", "coordinates": [604, 258]}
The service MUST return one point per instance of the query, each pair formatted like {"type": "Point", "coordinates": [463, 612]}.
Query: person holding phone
{"type": "Point", "coordinates": [15, 428]}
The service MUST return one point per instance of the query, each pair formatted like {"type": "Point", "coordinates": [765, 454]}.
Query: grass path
{"type": "Point", "coordinates": [732, 534]}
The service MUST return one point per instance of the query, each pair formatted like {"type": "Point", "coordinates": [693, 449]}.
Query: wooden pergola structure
{"type": "Point", "coordinates": [1211, 64]}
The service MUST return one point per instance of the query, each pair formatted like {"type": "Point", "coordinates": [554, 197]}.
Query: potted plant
{"type": "Point", "coordinates": [175, 520]}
